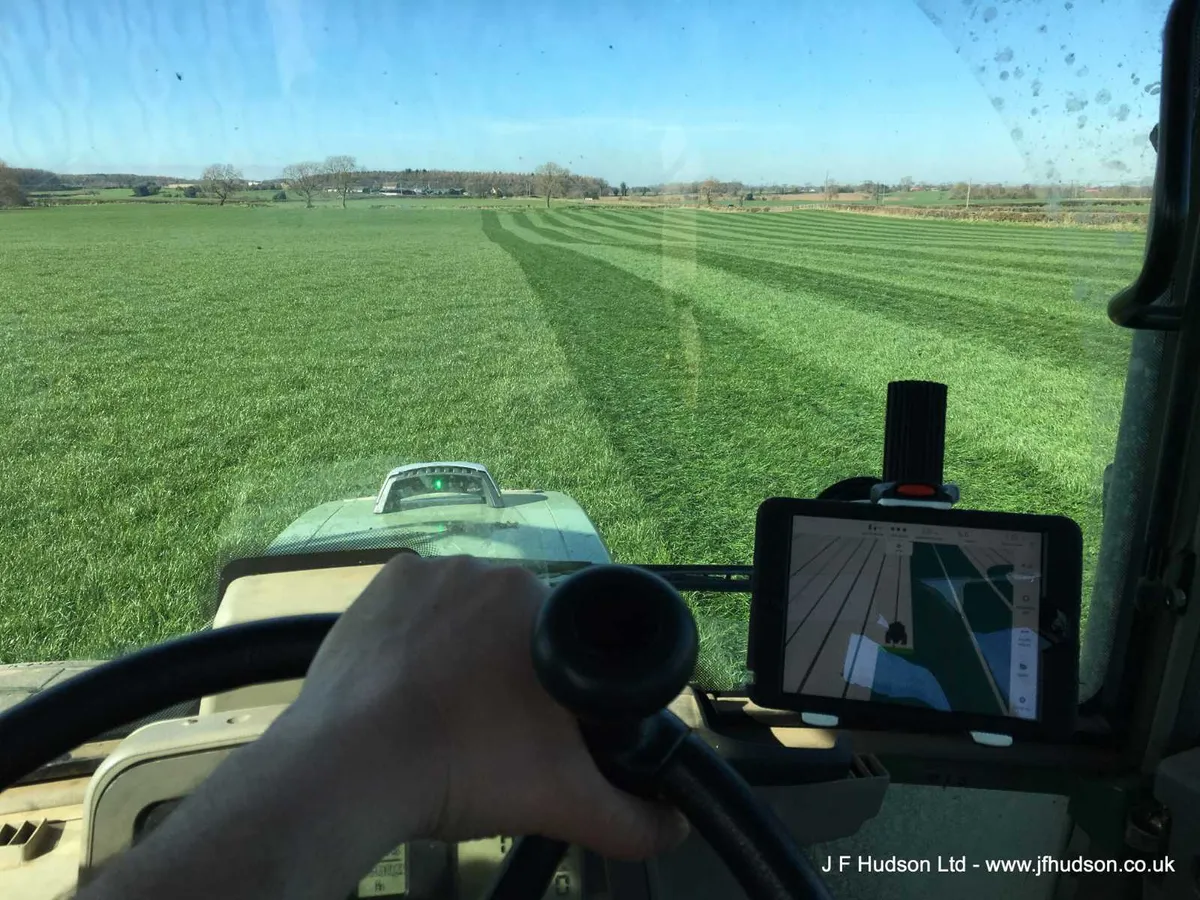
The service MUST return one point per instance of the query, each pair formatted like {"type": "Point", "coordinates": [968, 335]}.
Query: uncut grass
{"type": "Point", "coordinates": [163, 417]}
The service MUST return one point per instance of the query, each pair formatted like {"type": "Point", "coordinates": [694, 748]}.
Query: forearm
{"type": "Point", "coordinates": [297, 813]}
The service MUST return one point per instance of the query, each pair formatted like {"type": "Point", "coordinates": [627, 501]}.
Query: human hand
{"type": "Point", "coordinates": [428, 677]}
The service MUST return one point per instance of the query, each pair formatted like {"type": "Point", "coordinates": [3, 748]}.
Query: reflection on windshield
{"type": "Point", "coordinates": [647, 265]}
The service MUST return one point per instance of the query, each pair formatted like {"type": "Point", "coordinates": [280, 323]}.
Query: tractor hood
{"type": "Point", "coordinates": [445, 509]}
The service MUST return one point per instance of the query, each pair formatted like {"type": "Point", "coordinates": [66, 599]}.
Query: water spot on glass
{"type": "Point", "coordinates": [1116, 165]}
{"type": "Point", "coordinates": [1135, 79]}
{"type": "Point", "coordinates": [1036, 87]}
{"type": "Point", "coordinates": [1004, 55]}
{"type": "Point", "coordinates": [1103, 96]}
{"type": "Point", "coordinates": [1153, 88]}
{"type": "Point", "coordinates": [1034, 111]}
{"type": "Point", "coordinates": [1121, 112]}
{"type": "Point", "coordinates": [998, 102]}
{"type": "Point", "coordinates": [1082, 72]}
{"type": "Point", "coordinates": [1017, 134]}
{"type": "Point", "coordinates": [1042, 29]}
{"type": "Point", "coordinates": [1081, 121]}
{"type": "Point", "coordinates": [1018, 72]}
{"type": "Point", "coordinates": [1070, 59]}
{"type": "Point", "coordinates": [1076, 103]}
{"type": "Point", "coordinates": [1004, 75]}
{"type": "Point", "coordinates": [989, 14]}
{"type": "Point", "coordinates": [1068, 5]}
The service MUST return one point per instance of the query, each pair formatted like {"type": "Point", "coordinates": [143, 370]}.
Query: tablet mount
{"type": "Point", "coordinates": [914, 450]}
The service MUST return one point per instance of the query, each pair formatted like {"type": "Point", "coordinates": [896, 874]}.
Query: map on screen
{"type": "Point", "coordinates": [927, 615]}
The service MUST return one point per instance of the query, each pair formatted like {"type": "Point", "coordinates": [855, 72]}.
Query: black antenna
{"type": "Point", "coordinates": [914, 444]}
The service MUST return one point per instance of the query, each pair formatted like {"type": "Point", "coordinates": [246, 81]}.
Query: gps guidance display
{"type": "Point", "coordinates": [925, 615]}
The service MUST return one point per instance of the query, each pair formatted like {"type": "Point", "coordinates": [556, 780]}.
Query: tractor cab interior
{"type": "Point", "coordinates": [791, 798]}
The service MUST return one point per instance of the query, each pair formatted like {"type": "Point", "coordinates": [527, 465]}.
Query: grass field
{"type": "Point", "coordinates": [182, 381]}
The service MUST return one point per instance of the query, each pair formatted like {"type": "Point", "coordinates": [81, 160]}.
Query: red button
{"type": "Point", "coordinates": [916, 490]}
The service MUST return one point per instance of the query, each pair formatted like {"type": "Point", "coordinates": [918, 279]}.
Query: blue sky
{"type": "Point", "coordinates": [642, 92]}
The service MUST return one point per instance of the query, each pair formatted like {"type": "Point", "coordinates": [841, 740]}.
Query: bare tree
{"type": "Point", "coordinates": [221, 180]}
{"type": "Point", "coordinates": [11, 192]}
{"type": "Point", "coordinates": [305, 179]}
{"type": "Point", "coordinates": [341, 172]}
{"type": "Point", "coordinates": [551, 179]}
{"type": "Point", "coordinates": [708, 188]}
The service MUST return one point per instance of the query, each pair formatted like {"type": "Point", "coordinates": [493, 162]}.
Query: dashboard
{"type": "Point", "coordinates": [433, 869]}
{"type": "Point", "coordinates": [152, 770]}
{"type": "Point", "coordinates": [826, 791]}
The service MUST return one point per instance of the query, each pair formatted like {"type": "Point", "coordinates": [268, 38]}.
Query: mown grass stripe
{"type": "Point", "coordinates": [675, 385]}
{"type": "Point", "coordinates": [1007, 411]}
{"type": "Point", "coordinates": [1098, 248]}
{"type": "Point", "coordinates": [551, 234]}
{"type": "Point", "coordinates": [987, 271]}
{"type": "Point", "coordinates": [966, 236]}
{"type": "Point", "coordinates": [1061, 338]}
{"type": "Point", "coordinates": [629, 336]}
{"type": "Point", "coordinates": [919, 229]}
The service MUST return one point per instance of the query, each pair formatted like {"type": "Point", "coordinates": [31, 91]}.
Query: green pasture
{"type": "Point", "coordinates": [181, 381]}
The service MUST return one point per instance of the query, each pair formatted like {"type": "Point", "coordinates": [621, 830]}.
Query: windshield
{"type": "Point", "coordinates": [646, 264]}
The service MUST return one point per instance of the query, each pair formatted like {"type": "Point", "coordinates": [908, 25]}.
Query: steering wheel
{"type": "Point", "coordinates": [613, 644]}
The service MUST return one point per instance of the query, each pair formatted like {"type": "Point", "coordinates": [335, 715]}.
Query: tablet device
{"type": "Point", "coordinates": [920, 619]}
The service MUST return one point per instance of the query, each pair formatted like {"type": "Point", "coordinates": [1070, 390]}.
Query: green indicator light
{"type": "Point", "coordinates": [437, 484]}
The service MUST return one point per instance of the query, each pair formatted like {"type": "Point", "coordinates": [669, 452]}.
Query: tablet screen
{"type": "Point", "coordinates": [934, 616]}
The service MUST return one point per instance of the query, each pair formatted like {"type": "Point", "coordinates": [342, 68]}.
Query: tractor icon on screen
{"type": "Point", "coordinates": [896, 634]}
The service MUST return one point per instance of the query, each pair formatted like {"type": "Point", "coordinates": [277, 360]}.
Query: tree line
{"type": "Point", "coordinates": [342, 176]}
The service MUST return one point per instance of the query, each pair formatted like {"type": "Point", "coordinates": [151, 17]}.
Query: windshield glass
{"type": "Point", "coordinates": [646, 264]}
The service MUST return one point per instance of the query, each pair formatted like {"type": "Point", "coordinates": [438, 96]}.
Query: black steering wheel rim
{"type": "Point", "coordinates": [750, 840]}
